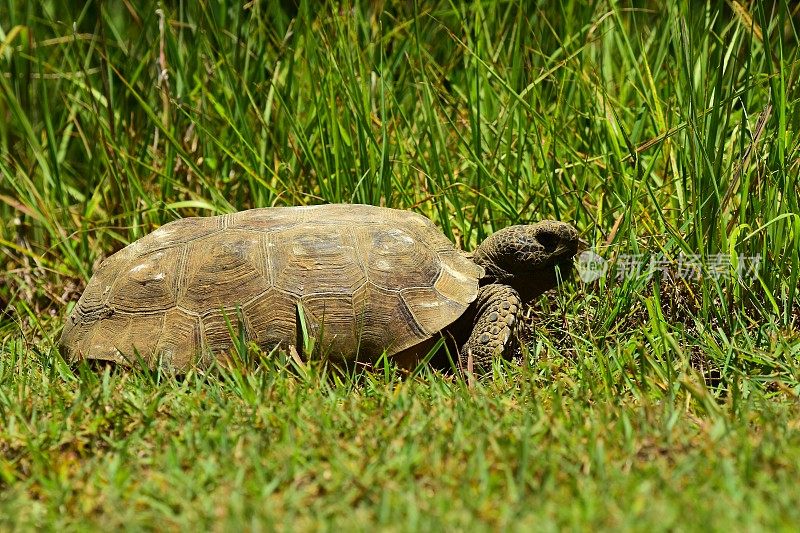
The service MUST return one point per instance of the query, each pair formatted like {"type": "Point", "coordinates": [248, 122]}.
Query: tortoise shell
{"type": "Point", "coordinates": [367, 280]}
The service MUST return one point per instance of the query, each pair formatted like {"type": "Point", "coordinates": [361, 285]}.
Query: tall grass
{"type": "Point", "coordinates": [122, 117]}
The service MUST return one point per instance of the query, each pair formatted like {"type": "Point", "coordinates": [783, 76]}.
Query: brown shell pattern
{"type": "Point", "coordinates": [367, 279]}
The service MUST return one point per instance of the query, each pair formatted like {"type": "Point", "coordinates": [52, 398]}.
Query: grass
{"type": "Point", "coordinates": [661, 130]}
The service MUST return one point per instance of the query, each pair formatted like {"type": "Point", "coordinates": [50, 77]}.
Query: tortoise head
{"type": "Point", "coordinates": [531, 258]}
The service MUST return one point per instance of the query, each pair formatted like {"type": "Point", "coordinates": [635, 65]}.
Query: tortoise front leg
{"type": "Point", "coordinates": [496, 318]}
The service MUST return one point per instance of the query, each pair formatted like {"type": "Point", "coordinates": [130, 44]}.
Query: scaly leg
{"type": "Point", "coordinates": [498, 309]}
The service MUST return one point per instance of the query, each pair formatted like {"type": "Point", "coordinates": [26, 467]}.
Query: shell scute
{"type": "Point", "coordinates": [223, 270]}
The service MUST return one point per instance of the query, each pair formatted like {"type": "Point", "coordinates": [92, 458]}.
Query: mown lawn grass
{"type": "Point", "coordinates": [663, 131]}
{"type": "Point", "coordinates": [534, 448]}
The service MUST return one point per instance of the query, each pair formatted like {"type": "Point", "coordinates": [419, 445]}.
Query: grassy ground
{"type": "Point", "coordinates": [665, 131]}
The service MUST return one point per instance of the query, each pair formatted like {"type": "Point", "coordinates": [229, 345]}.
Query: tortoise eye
{"type": "Point", "coordinates": [548, 239]}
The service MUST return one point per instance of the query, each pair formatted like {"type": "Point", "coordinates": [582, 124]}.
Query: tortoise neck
{"type": "Point", "coordinates": [530, 285]}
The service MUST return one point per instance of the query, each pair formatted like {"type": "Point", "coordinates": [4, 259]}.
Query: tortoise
{"type": "Point", "coordinates": [365, 280]}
